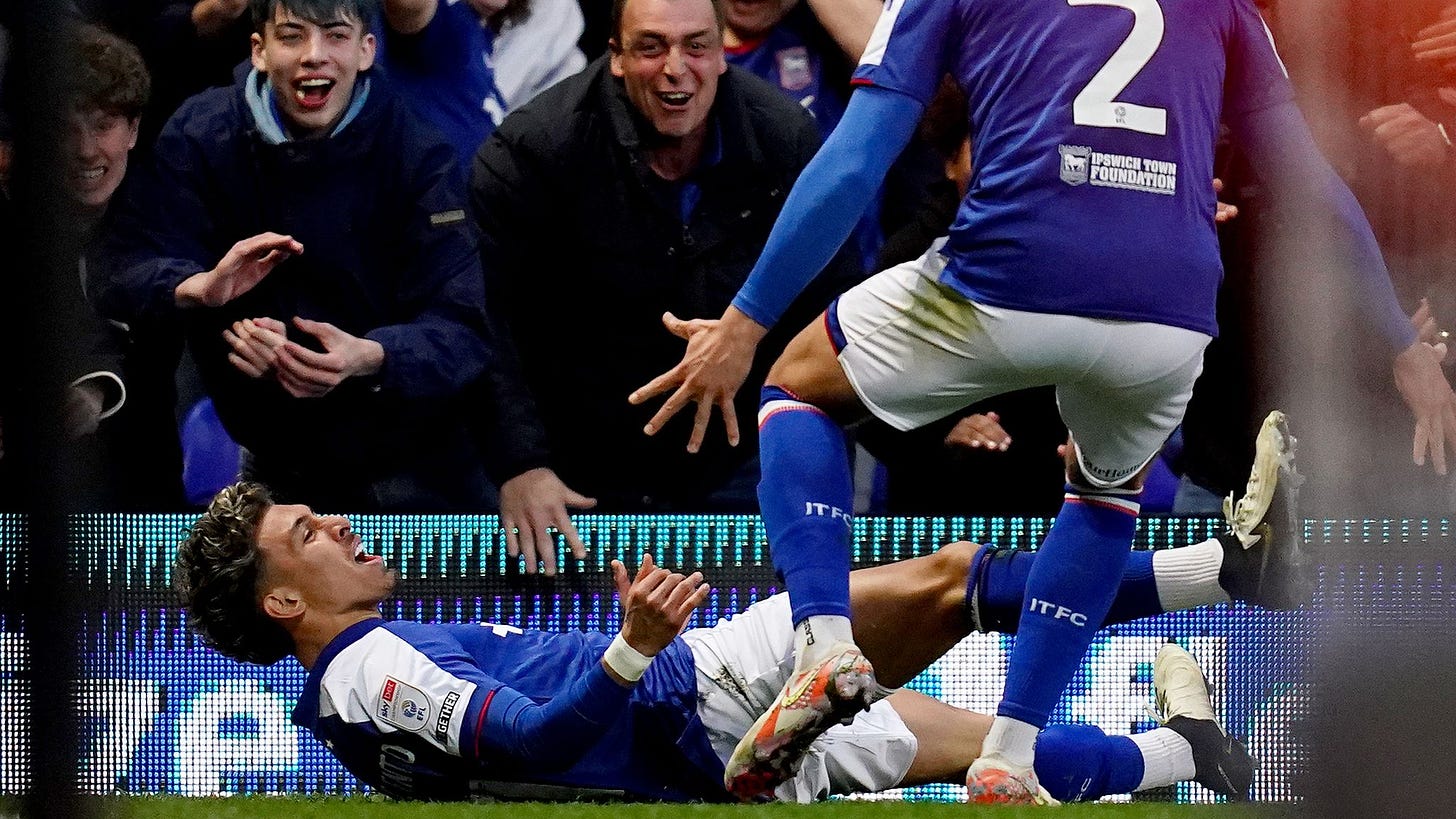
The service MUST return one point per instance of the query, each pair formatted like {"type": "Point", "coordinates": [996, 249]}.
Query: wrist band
{"type": "Point", "coordinates": [628, 662]}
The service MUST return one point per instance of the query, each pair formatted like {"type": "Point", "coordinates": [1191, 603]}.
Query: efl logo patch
{"type": "Point", "coordinates": [795, 73]}
{"type": "Point", "coordinates": [403, 706]}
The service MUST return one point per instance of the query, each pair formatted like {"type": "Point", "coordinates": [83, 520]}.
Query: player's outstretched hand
{"type": "Point", "coordinates": [1423, 386]}
{"type": "Point", "coordinates": [979, 432]}
{"type": "Point", "coordinates": [712, 369]}
{"type": "Point", "coordinates": [531, 504]}
{"type": "Point", "coordinates": [656, 603]}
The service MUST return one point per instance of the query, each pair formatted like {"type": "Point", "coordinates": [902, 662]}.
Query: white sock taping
{"type": "Point", "coordinates": [627, 661]}
{"type": "Point", "coordinates": [1011, 740]}
{"type": "Point", "coordinates": [1167, 758]}
{"type": "Point", "coordinates": [1188, 577]}
{"type": "Point", "coordinates": [825, 631]}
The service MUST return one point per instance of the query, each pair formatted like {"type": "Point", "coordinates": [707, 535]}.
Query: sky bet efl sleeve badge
{"type": "Point", "coordinates": [403, 705]}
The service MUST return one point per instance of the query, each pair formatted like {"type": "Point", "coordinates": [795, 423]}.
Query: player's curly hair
{"type": "Point", "coordinates": [108, 75]}
{"type": "Point", "coordinates": [216, 577]}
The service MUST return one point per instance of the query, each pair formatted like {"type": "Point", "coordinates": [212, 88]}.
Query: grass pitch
{"type": "Point", "coordinates": [155, 807]}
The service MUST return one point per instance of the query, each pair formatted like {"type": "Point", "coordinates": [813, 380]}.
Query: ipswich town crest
{"type": "Point", "coordinates": [1074, 163]}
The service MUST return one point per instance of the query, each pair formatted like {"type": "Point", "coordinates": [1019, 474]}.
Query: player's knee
{"type": "Point", "coordinates": [809, 370]}
{"type": "Point", "coordinates": [796, 366]}
{"type": "Point", "coordinates": [781, 374]}
{"type": "Point", "coordinates": [950, 565]}
{"type": "Point", "coordinates": [955, 558]}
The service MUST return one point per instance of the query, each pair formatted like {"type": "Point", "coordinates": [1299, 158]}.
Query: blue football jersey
{"type": "Point", "coordinates": [788, 61]}
{"type": "Point", "coordinates": [1093, 125]}
{"type": "Point", "coordinates": [445, 72]}
{"type": "Point", "coordinates": [428, 711]}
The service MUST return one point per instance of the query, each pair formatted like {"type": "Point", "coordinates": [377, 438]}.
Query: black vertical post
{"type": "Point", "coordinates": [39, 262]}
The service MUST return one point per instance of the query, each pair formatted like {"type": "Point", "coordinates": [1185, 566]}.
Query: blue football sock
{"type": "Point", "coordinates": [806, 496]}
{"type": "Point", "coordinates": [1137, 595]}
{"type": "Point", "coordinates": [1078, 763]}
{"type": "Point", "coordinates": [996, 589]}
{"type": "Point", "coordinates": [1069, 591]}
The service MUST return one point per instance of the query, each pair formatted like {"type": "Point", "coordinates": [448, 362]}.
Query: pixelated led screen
{"type": "Point", "coordinates": [164, 714]}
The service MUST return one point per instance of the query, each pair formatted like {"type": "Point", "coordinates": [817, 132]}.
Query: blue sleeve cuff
{"type": "Point", "coordinates": [1283, 152]}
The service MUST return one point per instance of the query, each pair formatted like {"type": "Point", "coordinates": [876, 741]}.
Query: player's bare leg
{"type": "Point", "coordinates": [909, 614]}
{"type": "Point", "coordinates": [948, 739]}
{"type": "Point", "coordinates": [809, 368]}
{"type": "Point", "coordinates": [1080, 762]}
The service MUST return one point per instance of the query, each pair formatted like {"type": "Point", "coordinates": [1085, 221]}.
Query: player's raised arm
{"type": "Point", "coordinates": [821, 210]}
{"type": "Point", "coordinates": [656, 606]}
{"type": "Point", "coordinates": [554, 735]}
{"type": "Point", "coordinates": [1279, 143]}
{"type": "Point", "coordinates": [1259, 107]}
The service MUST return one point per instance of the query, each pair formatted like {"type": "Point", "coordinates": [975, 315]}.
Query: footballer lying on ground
{"type": "Point", "coordinates": [437, 711]}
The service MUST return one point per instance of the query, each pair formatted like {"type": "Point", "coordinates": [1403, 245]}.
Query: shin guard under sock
{"type": "Point", "coordinates": [996, 589]}
{"type": "Point", "coordinates": [806, 496]}
{"type": "Point", "coordinates": [1069, 591]}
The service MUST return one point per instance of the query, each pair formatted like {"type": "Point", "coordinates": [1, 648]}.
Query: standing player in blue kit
{"type": "Point", "coordinates": [1084, 255]}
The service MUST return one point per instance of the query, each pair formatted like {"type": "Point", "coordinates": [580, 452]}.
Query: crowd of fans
{"type": "Point", "coordinates": [417, 253]}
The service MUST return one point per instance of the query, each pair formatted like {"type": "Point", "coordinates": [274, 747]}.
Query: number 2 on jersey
{"type": "Point", "coordinates": [1097, 105]}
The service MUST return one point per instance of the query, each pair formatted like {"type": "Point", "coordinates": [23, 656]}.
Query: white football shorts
{"type": "Point", "coordinates": [916, 350]}
{"type": "Point", "coordinates": [742, 664]}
